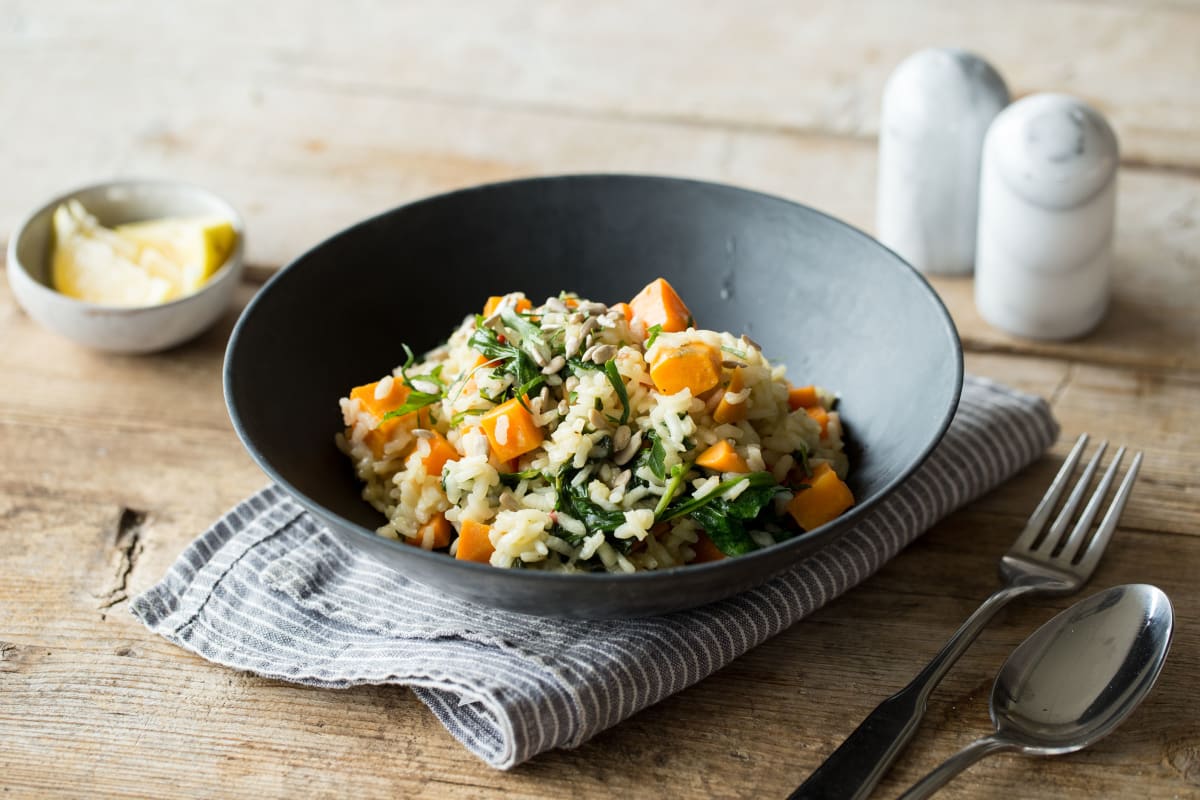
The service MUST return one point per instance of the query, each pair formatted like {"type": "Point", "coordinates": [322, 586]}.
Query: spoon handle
{"type": "Point", "coordinates": [853, 770]}
{"type": "Point", "coordinates": [953, 765]}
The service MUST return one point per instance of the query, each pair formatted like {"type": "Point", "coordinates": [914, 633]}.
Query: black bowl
{"type": "Point", "coordinates": [831, 303]}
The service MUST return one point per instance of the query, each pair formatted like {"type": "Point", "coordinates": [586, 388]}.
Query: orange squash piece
{"type": "Point", "coordinates": [826, 498]}
{"type": "Point", "coordinates": [721, 457]}
{"type": "Point", "coordinates": [706, 551]}
{"type": "Point", "coordinates": [517, 436]}
{"type": "Point", "coordinates": [471, 386]}
{"type": "Point", "coordinates": [726, 413]}
{"type": "Point", "coordinates": [378, 408]}
{"type": "Point", "coordinates": [658, 304]}
{"type": "Point", "coordinates": [821, 416]}
{"type": "Point", "coordinates": [440, 452]}
{"type": "Point", "coordinates": [474, 542]}
{"type": "Point", "coordinates": [802, 397]}
{"type": "Point", "coordinates": [493, 303]}
{"type": "Point", "coordinates": [433, 535]}
{"type": "Point", "coordinates": [695, 366]}
{"type": "Point", "coordinates": [625, 309]}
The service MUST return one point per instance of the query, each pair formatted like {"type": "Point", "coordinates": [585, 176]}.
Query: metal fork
{"type": "Point", "coordinates": [1035, 564]}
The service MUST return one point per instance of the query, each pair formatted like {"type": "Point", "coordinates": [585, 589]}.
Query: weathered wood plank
{"type": "Point", "coordinates": [296, 186]}
{"type": "Point", "coordinates": [765, 64]}
{"type": "Point", "coordinates": [311, 117]}
{"type": "Point", "coordinates": [250, 736]}
{"type": "Point", "coordinates": [1131, 408]}
{"type": "Point", "coordinates": [121, 697]}
{"type": "Point", "coordinates": [142, 425]}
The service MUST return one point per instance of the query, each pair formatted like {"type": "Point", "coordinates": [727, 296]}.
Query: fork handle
{"type": "Point", "coordinates": [854, 769]}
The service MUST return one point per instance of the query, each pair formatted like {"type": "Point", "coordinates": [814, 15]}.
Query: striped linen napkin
{"type": "Point", "coordinates": [267, 589]}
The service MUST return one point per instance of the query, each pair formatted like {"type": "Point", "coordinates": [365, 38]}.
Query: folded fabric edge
{"type": "Point", "coordinates": [481, 721]}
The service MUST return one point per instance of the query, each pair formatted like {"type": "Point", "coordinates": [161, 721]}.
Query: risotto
{"type": "Point", "coordinates": [576, 436]}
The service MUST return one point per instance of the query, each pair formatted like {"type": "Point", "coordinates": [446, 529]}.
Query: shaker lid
{"type": "Point", "coordinates": [943, 87]}
{"type": "Point", "coordinates": [1053, 149]}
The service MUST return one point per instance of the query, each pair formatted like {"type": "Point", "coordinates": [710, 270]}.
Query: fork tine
{"type": "Point", "coordinates": [1095, 549]}
{"type": "Point", "coordinates": [1073, 500]}
{"type": "Point", "coordinates": [1045, 507]}
{"type": "Point", "coordinates": [1071, 546]}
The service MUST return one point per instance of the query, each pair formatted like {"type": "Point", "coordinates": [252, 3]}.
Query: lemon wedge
{"type": "Point", "coordinates": [186, 251]}
{"type": "Point", "coordinates": [141, 263]}
{"type": "Point", "coordinates": [92, 263]}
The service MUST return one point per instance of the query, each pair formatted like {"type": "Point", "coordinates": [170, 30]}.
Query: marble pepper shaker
{"type": "Point", "coordinates": [937, 106]}
{"type": "Point", "coordinates": [1047, 205]}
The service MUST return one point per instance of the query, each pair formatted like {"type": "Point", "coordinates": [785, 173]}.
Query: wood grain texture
{"type": "Point", "coordinates": [312, 116]}
{"type": "Point", "coordinates": [758, 65]}
{"type": "Point", "coordinates": [158, 472]}
{"type": "Point", "coordinates": [262, 143]}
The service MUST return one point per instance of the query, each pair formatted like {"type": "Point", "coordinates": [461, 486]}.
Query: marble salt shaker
{"type": "Point", "coordinates": [937, 106]}
{"type": "Point", "coordinates": [1047, 206]}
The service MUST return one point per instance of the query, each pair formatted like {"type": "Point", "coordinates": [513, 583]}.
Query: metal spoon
{"type": "Point", "coordinates": [1073, 680]}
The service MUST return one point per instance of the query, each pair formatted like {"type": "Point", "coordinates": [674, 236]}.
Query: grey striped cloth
{"type": "Point", "coordinates": [267, 589]}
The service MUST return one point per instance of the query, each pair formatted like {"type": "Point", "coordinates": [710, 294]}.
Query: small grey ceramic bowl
{"type": "Point", "coordinates": [122, 329]}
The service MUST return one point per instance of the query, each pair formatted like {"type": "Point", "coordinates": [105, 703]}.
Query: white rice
{"type": "Point", "coordinates": [579, 412]}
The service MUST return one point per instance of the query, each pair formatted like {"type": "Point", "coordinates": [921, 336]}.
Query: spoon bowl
{"type": "Point", "coordinates": [1074, 680]}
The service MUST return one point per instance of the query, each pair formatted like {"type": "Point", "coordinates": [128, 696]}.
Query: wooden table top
{"type": "Point", "coordinates": [310, 116]}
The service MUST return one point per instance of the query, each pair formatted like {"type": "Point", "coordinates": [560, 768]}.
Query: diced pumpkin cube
{"type": "Point", "coordinates": [378, 407]}
{"type": "Point", "coordinates": [727, 412]}
{"type": "Point", "coordinates": [511, 430]}
{"type": "Point", "coordinates": [721, 457]}
{"type": "Point", "coordinates": [493, 303]}
{"type": "Point", "coordinates": [433, 535]}
{"type": "Point", "coordinates": [474, 542]}
{"type": "Point", "coordinates": [695, 366]}
{"type": "Point", "coordinates": [826, 498]}
{"type": "Point", "coordinates": [658, 304]}
{"type": "Point", "coordinates": [821, 416]}
{"type": "Point", "coordinates": [706, 551]}
{"type": "Point", "coordinates": [802, 397]}
{"type": "Point", "coordinates": [625, 309]}
{"type": "Point", "coordinates": [440, 452]}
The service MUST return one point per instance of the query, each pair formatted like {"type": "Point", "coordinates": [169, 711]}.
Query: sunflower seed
{"type": "Point", "coordinates": [590, 324]}
{"type": "Point", "coordinates": [629, 451]}
{"type": "Point", "coordinates": [732, 364]}
{"type": "Point", "coordinates": [591, 308]}
{"type": "Point", "coordinates": [556, 305]}
{"type": "Point", "coordinates": [596, 419]}
{"type": "Point", "coordinates": [556, 363]}
{"type": "Point", "coordinates": [421, 433]}
{"type": "Point", "coordinates": [572, 344]}
{"type": "Point", "coordinates": [507, 501]}
{"type": "Point", "coordinates": [600, 353]}
{"type": "Point", "coordinates": [621, 437]}
{"type": "Point", "coordinates": [751, 342]}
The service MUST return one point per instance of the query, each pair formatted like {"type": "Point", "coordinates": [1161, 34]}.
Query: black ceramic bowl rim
{"type": "Point", "coordinates": [845, 522]}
